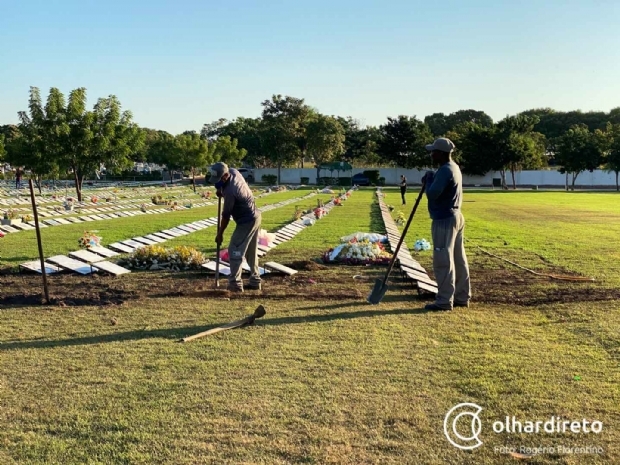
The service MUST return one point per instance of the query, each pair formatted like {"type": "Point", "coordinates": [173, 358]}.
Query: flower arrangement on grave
{"type": "Point", "coordinates": [206, 195]}
{"type": "Point", "coordinates": [348, 194]}
{"type": "Point", "coordinates": [94, 199]}
{"type": "Point", "coordinates": [11, 214]}
{"type": "Point", "coordinates": [88, 240]}
{"type": "Point", "coordinates": [143, 208]}
{"type": "Point", "coordinates": [400, 218]}
{"type": "Point", "coordinates": [156, 257]}
{"type": "Point", "coordinates": [108, 199]}
{"type": "Point", "coordinates": [337, 201]}
{"type": "Point", "coordinates": [68, 204]}
{"type": "Point", "coordinates": [319, 213]}
{"type": "Point", "coordinates": [298, 213]}
{"type": "Point", "coordinates": [157, 199]}
{"type": "Point", "coordinates": [356, 252]}
{"type": "Point", "coordinates": [421, 244]}
{"type": "Point", "coordinates": [26, 218]}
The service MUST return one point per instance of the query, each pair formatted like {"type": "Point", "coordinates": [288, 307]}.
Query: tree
{"type": "Point", "coordinates": [31, 145]}
{"type": "Point", "coordinates": [283, 129]}
{"type": "Point", "coordinates": [2, 149]}
{"type": "Point", "coordinates": [440, 124]}
{"type": "Point", "coordinates": [360, 143]}
{"type": "Point", "coordinates": [86, 140]}
{"type": "Point", "coordinates": [477, 150]}
{"type": "Point", "coordinates": [613, 157]}
{"type": "Point", "coordinates": [225, 149]}
{"type": "Point", "coordinates": [192, 152]}
{"type": "Point", "coordinates": [519, 146]}
{"type": "Point", "coordinates": [580, 150]}
{"type": "Point", "coordinates": [211, 131]}
{"type": "Point", "coordinates": [247, 133]}
{"type": "Point", "coordinates": [402, 141]}
{"type": "Point", "coordinates": [325, 140]}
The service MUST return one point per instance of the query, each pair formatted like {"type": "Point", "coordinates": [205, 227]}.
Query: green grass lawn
{"type": "Point", "coordinates": [325, 377]}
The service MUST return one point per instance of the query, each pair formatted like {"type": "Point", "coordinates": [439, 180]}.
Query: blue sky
{"type": "Point", "coordinates": [179, 64]}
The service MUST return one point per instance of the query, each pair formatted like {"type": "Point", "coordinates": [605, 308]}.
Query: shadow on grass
{"type": "Point", "coordinates": [179, 333]}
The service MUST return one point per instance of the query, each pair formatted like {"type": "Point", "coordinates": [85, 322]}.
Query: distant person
{"type": "Point", "coordinates": [403, 187]}
{"type": "Point", "coordinates": [444, 191]}
{"type": "Point", "coordinates": [238, 203]}
{"type": "Point", "coordinates": [18, 178]}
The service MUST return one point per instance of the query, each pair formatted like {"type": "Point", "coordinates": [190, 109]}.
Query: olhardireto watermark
{"type": "Point", "coordinates": [463, 427]}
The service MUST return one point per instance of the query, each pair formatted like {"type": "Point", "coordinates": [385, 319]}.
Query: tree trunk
{"type": "Point", "coordinates": [617, 182]}
{"type": "Point", "coordinates": [38, 179]}
{"type": "Point", "coordinates": [318, 175]}
{"type": "Point", "coordinates": [514, 184]}
{"type": "Point", "coordinates": [78, 185]}
{"type": "Point", "coordinates": [502, 174]}
{"type": "Point", "coordinates": [171, 176]}
{"type": "Point", "coordinates": [574, 179]}
{"type": "Point", "coordinates": [194, 179]}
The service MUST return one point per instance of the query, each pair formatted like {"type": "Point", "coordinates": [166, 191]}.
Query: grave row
{"type": "Point", "coordinates": [95, 258]}
{"type": "Point", "coordinates": [284, 234]}
{"type": "Point", "coordinates": [103, 213]}
{"type": "Point", "coordinates": [409, 268]}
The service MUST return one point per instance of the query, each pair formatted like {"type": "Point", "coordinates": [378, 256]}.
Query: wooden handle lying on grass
{"type": "Point", "coordinates": [248, 320]}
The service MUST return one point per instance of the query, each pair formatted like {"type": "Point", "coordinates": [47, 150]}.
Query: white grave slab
{"type": "Point", "coordinates": [35, 265]}
{"type": "Point", "coordinates": [107, 253]}
{"type": "Point", "coordinates": [111, 268]}
{"type": "Point", "coordinates": [71, 264]}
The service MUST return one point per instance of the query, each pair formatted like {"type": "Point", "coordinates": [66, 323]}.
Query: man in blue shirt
{"type": "Point", "coordinates": [238, 203]}
{"type": "Point", "coordinates": [444, 191]}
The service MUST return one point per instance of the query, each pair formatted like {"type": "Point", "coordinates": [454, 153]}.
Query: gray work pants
{"type": "Point", "coordinates": [244, 243]}
{"type": "Point", "coordinates": [450, 262]}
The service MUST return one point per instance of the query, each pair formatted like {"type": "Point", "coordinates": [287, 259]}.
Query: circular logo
{"type": "Point", "coordinates": [462, 426]}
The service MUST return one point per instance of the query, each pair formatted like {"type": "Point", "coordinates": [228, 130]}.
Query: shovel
{"type": "Point", "coordinates": [219, 244]}
{"type": "Point", "coordinates": [381, 285]}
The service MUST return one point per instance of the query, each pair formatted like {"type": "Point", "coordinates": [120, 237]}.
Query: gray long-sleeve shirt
{"type": "Point", "coordinates": [238, 199]}
{"type": "Point", "coordinates": [445, 192]}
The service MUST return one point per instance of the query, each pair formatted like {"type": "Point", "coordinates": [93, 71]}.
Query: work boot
{"type": "Point", "coordinates": [254, 286]}
{"type": "Point", "coordinates": [436, 307]}
{"type": "Point", "coordinates": [235, 288]}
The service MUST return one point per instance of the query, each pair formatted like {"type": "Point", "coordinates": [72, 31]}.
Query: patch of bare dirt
{"type": "Point", "coordinates": [516, 287]}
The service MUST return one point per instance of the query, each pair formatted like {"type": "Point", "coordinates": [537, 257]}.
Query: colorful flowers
{"type": "Point", "coordinates": [356, 252]}
{"type": "Point", "coordinates": [421, 244]}
{"type": "Point", "coordinates": [319, 213]}
{"type": "Point", "coordinates": [88, 240]}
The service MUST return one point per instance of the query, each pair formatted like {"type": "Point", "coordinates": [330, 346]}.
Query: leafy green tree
{"type": "Point", "coordinates": [519, 146]}
{"type": "Point", "coordinates": [247, 132]}
{"type": "Point", "coordinates": [192, 153]}
{"type": "Point", "coordinates": [402, 142]}
{"type": "Point", "coordinates": [477, 150]}
{"type": "Point", "coordinates": [580, 150]}
{"type": "Point", "coordinates": [225, 149]}
{"type": "Point", "coordinates": [283, 129]}
{"type": "Point", "coordinates": [326, 139]}
{"type": "Point", "coordinates": [440, 124]}
{"type": "Point", "coordinates": [81, 141]}
{"type": "Point", "coordinates": [31, 145]}
{"type": "Point", "coordinates": [612, 161]}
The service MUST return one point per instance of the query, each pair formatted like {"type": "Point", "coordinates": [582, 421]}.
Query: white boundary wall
{"type": "Point", "coordinates": [542, 178]}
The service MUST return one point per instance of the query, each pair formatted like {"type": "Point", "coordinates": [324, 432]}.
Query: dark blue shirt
{"type": "Point", "coordinates": [444, 192]}
{"type": "Point", "coordinates": [238, 199]}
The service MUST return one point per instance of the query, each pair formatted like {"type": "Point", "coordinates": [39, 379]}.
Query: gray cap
{"type": "Point", "coordinates": [217, 171]}
{"type": "Point", "coordinates": [443, 144]}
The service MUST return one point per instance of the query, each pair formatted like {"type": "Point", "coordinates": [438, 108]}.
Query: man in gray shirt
{"type": "Point", "coordinates": [238, 203]}
{"type": "Point", "coordinates": [444, 191]}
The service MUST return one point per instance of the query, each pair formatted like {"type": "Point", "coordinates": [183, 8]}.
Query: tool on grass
{"type": "Point", "coordinates": [381, 285]}
{"type": "Point", "coordinates": [248, 320]}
